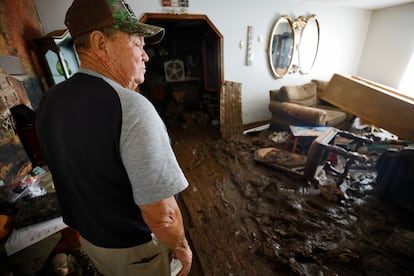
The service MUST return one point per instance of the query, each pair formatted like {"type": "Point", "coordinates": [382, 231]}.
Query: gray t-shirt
{"type": "Point", "coordinates": [149, 160]}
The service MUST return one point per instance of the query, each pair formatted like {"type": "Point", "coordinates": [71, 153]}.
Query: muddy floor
{"type": "Point", "coordinates": [245, 218]}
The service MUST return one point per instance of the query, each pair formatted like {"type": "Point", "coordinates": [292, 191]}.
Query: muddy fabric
{"type": "Point", "coordinates": [38, 209]}
{"type": "Point", "coordinates": [274, 156]}
{"type": "Point", "coordinates": [395, 180]}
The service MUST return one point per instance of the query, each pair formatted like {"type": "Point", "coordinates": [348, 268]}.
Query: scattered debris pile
{"type": "Point", "coordinates": [283, 224]}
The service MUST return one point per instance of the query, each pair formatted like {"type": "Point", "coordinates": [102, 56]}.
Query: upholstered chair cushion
{"type": "Point", "coordinates": [334, 117]}
{"type": "Point", "coordinates": [320, 86]}
{"type": "Point", "coordinates": [300, 94]}
{"type": "Point", "coordinates": [291, 112]}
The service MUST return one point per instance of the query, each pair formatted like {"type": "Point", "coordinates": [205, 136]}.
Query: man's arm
{"type": "Point", "coordinates": [165, 221]}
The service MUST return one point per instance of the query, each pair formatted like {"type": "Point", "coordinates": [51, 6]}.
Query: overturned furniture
{"type": "Point", "coordinates": [374, 103]}
{"type": "Point", "coordinates": [316, 166]}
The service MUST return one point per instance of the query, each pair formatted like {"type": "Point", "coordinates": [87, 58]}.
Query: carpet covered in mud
{"type": "Point", "coordinates": [245, 218]}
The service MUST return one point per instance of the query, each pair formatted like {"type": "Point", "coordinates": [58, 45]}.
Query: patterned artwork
{"type": "Point", "coordinates": [14, 162]}
{"type": "Point", "coordinates": [19, 25]}
{"type": "Point", "coordinates": [175, 3]}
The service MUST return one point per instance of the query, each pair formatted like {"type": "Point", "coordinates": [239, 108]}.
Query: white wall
{"type": "Point", "coordinates": [343, 32]}
{"type": "Point", "coordinates": [389, 45]}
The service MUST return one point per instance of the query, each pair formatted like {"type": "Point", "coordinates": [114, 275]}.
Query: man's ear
{"type": "Point", "coordinates": [99, 45]}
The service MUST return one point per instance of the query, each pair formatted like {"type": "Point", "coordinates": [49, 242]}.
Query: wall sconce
{"type": "Point", "coordinates": [249, 50]}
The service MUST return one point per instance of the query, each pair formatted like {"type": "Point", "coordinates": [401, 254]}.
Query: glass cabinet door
{"type": "Point", "coordinates": [58, 56]}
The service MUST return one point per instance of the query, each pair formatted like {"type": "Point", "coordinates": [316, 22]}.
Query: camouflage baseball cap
{"type": "Point", "coordinates": [84, 16]}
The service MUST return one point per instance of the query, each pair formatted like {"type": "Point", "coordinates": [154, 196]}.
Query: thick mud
{"type": "Point", "coordinates": [270, 222]}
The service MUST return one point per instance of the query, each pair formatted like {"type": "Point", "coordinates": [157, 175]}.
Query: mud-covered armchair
{"type": "Point", "coordinates": [300, 105]}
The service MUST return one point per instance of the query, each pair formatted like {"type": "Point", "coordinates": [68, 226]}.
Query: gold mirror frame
{"type": "Point", "coordinates": [308, 44]}
{"type": "Point", "coordinates": [292, 57]}
{"type": "Point", "coordinates": [280, 51]}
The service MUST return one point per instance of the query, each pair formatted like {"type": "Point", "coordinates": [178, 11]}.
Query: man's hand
{"type": "Point", "coordinates": [165, 221]}
{"type": "Point", "coordinates": [184, 254]}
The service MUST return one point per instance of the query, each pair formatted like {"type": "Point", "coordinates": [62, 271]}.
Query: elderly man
{"type": "Point", "coordinates": [109, 153]}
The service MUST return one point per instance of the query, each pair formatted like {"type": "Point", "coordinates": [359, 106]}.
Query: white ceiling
{"type": "Point", "coordinates": [362, 4]}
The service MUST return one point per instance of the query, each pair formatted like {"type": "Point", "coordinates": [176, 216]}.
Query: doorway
{"type": "Point", "coordinates": [185, 70]}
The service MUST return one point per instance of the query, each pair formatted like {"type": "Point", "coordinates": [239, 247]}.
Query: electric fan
{"type": "Point", "coordinates": [174, 70]}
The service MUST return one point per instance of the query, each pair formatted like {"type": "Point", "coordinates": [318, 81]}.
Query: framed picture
{"type": "Point", "coordinates": [166, 3]}
{"type": "Point", "coordinates": [184, 3]}
{"type": "Point", "coordinates": [175, 3]}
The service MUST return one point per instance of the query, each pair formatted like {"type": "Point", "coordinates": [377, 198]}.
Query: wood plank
{"type": "Point", "coordinates": [379, 106]}
{"type": "Point", "coordinates": [230, 109]}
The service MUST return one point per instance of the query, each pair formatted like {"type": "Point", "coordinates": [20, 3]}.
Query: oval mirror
{"type": "Point", "coordinates": [281, 46]}
{"type": "Point", "coordinates": [308, 45]}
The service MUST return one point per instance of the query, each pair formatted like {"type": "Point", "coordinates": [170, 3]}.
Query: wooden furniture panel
{"type": "Point", "coordinates": [373, 103]}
